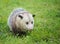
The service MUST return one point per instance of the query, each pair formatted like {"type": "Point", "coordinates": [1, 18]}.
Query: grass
{"type": "Point", "coordinates": [47, 21]}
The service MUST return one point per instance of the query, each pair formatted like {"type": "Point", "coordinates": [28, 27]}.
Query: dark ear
{"type": "Point", "coordinates": [20, 16]}
{"type": "Point", "coordinates": [33, 15]}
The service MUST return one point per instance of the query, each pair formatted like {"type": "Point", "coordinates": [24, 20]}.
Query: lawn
{"type": "Point", "coordinates": [47, 21]}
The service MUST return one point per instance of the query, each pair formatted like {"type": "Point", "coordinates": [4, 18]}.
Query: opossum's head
{"type": "Point", "coordinates": [25, 21]}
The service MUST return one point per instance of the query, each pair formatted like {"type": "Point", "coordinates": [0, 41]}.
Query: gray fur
{"type": "Point", "coordinates": [13, 15]}
{"type": "Point", "coordinates": [12, 20]}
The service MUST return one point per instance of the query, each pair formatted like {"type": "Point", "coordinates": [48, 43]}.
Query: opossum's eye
{"type": "Point", "coordinates": [27, 23]}
{"type": "Point", "coordinates": [32, 22]}
{"type": "Point", "coordinates": [20, 16]}
{"type": "Point", "coordinates": [33, 15]}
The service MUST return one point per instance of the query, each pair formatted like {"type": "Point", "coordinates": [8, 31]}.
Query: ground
{"type": "Point", "coordinates": [47, 21]}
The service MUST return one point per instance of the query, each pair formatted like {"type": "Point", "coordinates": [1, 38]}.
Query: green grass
{"type": "Point", "coordinates": [47, 21]}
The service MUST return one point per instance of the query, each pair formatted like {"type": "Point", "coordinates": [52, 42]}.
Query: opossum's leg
{"type": "Point", "coordinates": [17, 32]}
{"type": "Point", "coordinates": [22, 33]}
{"type": "Point", "coordinates": [14, 30]}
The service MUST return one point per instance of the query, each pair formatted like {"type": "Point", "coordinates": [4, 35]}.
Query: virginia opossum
{"type": "Point", "coordinates": [20, 21]}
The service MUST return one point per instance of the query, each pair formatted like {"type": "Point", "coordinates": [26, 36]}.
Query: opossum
{"type": "Point", "coordinates": [20, 21]}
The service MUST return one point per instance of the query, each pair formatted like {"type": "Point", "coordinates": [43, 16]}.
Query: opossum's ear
{"type": "Point", "coordinates": [33, 15]}
{"type": "Point", "coordinates": [20, 16]}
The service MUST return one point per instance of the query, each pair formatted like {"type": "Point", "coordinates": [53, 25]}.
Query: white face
{"type": "Point", "coordinates": [25, 21]}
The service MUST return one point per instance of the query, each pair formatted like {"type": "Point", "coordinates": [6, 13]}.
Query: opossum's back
{"type": "Point", "coordinates": [12, 17]}
{"type": "Point", "coordinates": [14, 13]}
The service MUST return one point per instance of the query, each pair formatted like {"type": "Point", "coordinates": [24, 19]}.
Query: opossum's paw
{"type": "Point", "coordinates": [20, 33]}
